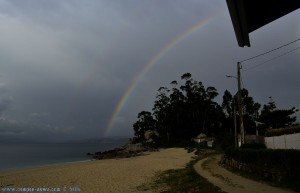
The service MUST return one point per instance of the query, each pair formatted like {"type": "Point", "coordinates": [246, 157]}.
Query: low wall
{"type": "Point", "coordinates": [274, 175]}
{"type": "Point", "coordinates": [291, 141]}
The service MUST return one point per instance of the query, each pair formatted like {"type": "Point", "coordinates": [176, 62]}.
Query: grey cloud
{"type": "Point", "coordinates": [5, 99]}
{"type": "Point", "coordinates": [41, 115]}
{"type": "Point", "coordinates": [4, 103]}
{"type": "Point", "coordinates": [10, 127]}
{"type": "Point", "coordinates": [67, 64]}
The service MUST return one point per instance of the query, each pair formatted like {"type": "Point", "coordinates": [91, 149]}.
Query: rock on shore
{"type": "Point", "coordinates": [125, 151]}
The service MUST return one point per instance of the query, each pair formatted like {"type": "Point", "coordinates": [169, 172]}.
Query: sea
{"type": "Point", "coordinates": [18, 155]}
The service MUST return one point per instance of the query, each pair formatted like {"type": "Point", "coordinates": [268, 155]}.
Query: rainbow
{"type": "Point", "coordinates": [168, 46]}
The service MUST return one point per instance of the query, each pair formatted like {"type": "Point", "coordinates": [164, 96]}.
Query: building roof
{"type": "Point", "coordinates": [249, 15]}
{"type": "Point", "coordinates": [201, 136]}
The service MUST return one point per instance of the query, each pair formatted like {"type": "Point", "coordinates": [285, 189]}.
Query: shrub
{"type": "Point", "coordinates": [278, 160]}
{"type": "Point", "coordinates": [254, 146]}
{"type": "Point", "coordinates": [283, 131]}
{"type": "Point", "coordinates": [224, 140]}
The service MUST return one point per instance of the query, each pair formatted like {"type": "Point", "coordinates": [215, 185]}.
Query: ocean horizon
{"type": "Point", "coordinates": [23, 155]}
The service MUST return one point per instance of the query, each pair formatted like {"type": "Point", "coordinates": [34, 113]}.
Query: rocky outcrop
{"type": "Point", "coordinates": [126, 151]}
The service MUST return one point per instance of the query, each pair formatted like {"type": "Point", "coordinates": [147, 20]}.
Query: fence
{"type": "Point", "coordinates": [291, 141]}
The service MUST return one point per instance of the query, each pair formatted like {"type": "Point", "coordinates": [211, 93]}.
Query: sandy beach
{"type": "Point", "coordinates": [111, 175]}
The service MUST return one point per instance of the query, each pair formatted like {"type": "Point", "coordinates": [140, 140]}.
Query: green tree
{"type": "Point", "coordinates": [249, 107]}
{"type": "Point", "coordinates": [161, 112]}
{"type": "Point", "coordinates": [228, 106]}
{"type": "Point", "coordinates": [145, 123]}
{"type": "Point", "coordinates": [182, 112]}
{"type": "Point", "coordinates": [277, 118]}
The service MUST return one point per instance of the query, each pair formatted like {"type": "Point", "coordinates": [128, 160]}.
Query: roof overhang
{"type": "Point", "coordinates": [249, 15]}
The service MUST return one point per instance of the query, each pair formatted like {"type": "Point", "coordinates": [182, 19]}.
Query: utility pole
{"type": "Point", "coordinates": [242, 131]}
{"type": "Point", "coordinates": [234, 118]}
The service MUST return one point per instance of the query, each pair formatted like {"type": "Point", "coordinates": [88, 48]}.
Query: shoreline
{"type": "Point", "coordinates": [42, 165]}
{"type": "Point", "coordinates": [109, 175]}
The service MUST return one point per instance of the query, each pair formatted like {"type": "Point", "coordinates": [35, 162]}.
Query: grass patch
{"type": "Point", "coordinates": [184, 180]}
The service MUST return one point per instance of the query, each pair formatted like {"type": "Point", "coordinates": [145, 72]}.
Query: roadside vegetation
{"type": "Point", "coordinates": [277, 167]}
{"type": "Point", "coordinates": [292, 185]}
{"type": "Point", "coordinates": [185, 180]}
{"type": "Point", "coordinates": [283, 131]}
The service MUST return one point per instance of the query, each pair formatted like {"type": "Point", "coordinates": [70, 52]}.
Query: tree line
{"type": "Point", "coordinates": [185, 110]}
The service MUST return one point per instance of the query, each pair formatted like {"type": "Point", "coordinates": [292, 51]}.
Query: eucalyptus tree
{"type": "Point", "coordinates": [183, 111]}
{"type": "Point", "coordinates": [161, 111]}
{"type": "Point", "coordinates": [250, 109]}
{"type": "Point", "coordinates": [146, 122]}
{"type": "Point", "coordinates": [228, 104]}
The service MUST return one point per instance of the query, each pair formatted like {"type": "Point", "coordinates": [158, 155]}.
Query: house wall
{"type": "Point", "coordinates": [254, 139]}
{"type": "Point", "coordinates": [291, 141]}
{"type": "Point", "coordinates": [197, 140]}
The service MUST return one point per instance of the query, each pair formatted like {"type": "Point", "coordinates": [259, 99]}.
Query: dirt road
{"type": "Point", "coordinates": [229, 182]}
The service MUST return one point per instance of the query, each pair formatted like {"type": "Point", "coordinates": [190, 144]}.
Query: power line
{"type": "Point", "coordinates": [274, 58]}
{"type": "Point", "coordinates": [269, 51]}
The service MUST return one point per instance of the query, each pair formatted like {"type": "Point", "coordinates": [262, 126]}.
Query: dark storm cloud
{"type": "Point", "coordinates": [5, 100]}
{"type": "Point", "coordinates": [67, 64]}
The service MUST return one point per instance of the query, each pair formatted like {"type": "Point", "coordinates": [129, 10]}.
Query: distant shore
{"type": "Point", "coordinates": [109, 175]}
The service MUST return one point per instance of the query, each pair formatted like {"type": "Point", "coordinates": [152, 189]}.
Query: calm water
{"type": "Point", "coordinates": [13, 156]}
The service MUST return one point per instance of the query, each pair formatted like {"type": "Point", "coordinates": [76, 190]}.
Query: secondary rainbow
{"type": "Point", "coordinates": [180, 37]}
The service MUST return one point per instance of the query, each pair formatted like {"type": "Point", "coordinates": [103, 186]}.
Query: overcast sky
{"type": "Point", "coordinates": [72, 69]}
